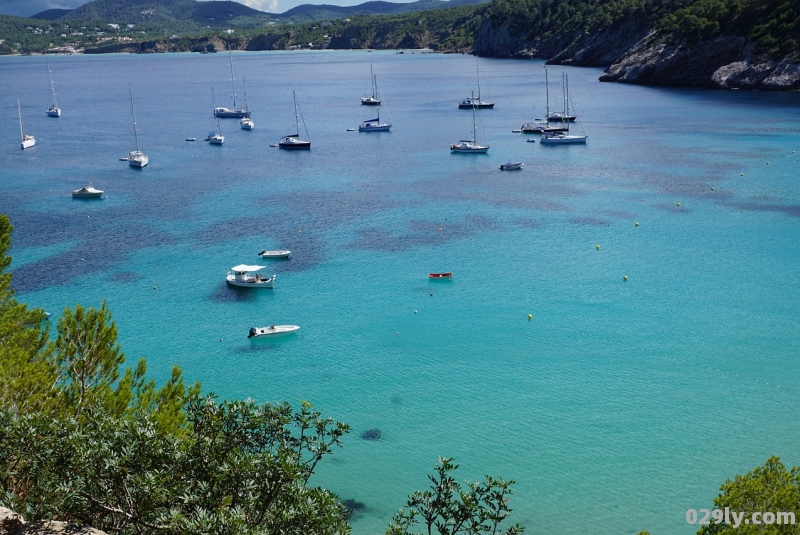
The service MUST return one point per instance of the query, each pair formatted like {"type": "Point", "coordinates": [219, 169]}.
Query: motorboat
{"type": "Point", "coordinates": [536, 127]}
{"type": "Point", "coordinates": [293, 141]}
{"type": "Point", "coordinates": [191, 139]}
{"type": "Point", "coordinates": [447, 275]}
{"type": "Point", "coordinates": [87, 192]}
{"type": "Point", "coordinates": [275, 254]}
{"type": "Point", "coordinates": [136, 158]}
{"type": "Point", "coordinates": [561, 138]}
{"type": "Point", "coordinates": [272, 330]}
{"type": "Point", "coordinates": [470, 146]}
{"type": "Point", "coordinates": [28, 140]}
{"type": "Point", "coordinates": [511, 166]}
{"type": "Point", "coordinates": [246, 276]}
{"type": "Point", "coordinates": [247, 123]}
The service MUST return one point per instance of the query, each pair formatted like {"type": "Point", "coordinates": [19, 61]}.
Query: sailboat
{"type": "Point", "coordinates": [470, 146]}
{"type": "Point", "coordinates": [471, 102]}
{"type": "Point", "coordinates": [136, 158]}
{"type": "Point", "coordinates": [54, 110]}
{"type": "Point", "coordinates": [215, 137]}
{"type": "Point", "coordinates": [562, 116]}
{"type": "Point", "coordinates": [375, 125]}
{"type": "Point", "coordinates": [563, 138]}
{"type": "Point", "coordinates": [246, 122]}
{"type": "Point", "coordinates": [561, 125]}
{"type": "Point", "coordinates": [293, 141]}
{"type": "Point", "coordinates": [373, 99]}
{"type": "Point", "coordinates": [234, 113]}
{"type": "Point", "coordinates": [28, 141]}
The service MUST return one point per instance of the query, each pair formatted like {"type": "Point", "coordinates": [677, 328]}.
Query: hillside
{"type": "Point", "coordinates": [51, 14]}
{"type": "Point", "coordinates": [311, 12]}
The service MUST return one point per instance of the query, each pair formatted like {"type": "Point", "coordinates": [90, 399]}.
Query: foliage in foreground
{"type": "Point", "coordinates": [453, 510]}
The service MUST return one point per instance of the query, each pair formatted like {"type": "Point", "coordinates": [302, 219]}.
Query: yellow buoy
{"type": "Point", "coordinates": [440, 229]}
{"type": "Point", "coordinates": [624, 277]}
{"type": "Point", "coordinates": [637, 223]}
{"type": "Point", "coordinates": [299, 231]}
{"type": "Point", "coordinates": [597, 247]}
{"type": "Point", "coordinates": [530, 316]}
{"type": "Point", "coordinates": [397, 333]}
{"type": "Point", "coordinates": [154, 286]}
{"type": "Point", "coordinates": [767, 163]}
{"type": "Point", "coordinates": [678, 205]}
{"type": "Point", "coordinates": [415, 312]}
{"type": "Point", "coordinates": [741, 174]}
{"type": "Point", "coordinates": [712, 189]}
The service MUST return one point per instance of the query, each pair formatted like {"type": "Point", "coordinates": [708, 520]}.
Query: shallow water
{"type": "Point", "coordinates": [618, 406]}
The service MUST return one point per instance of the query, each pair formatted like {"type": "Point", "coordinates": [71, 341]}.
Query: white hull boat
{"type": "Point", "coordinates": [373, 99]}
{"type": "Point", "coordinates": [235, 113]}
{"type": "Point", "coordinates": [272, 330]}
{"type": "Point", "coordinates": [275, 254]}
{"type": "Point", "coordinates": [136, 159]}
{"type": "Point", "coordinates": [471, 102]}
{"type": "Point", "coordinates": [561, 138]}
{"type": "Point", "coordinates": [27, 140]}
{"type": "Point", "coordinates": [470, 146]}
{"type": "Point", "coordinates": [247, 124]}
{"type": "Point", "coordinates": [377, 126]}
{"type": "Point", "coordinates": [54, 110]}
{"type": "Point", "coordinates": [87, 192]}
{"type": "Point", "coordinates": [511, 166]}
{"type": "Point", "coordinates": [245, 276]}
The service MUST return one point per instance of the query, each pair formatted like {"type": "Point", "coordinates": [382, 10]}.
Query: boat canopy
{"type": "Point", "coordinates": [241, 268]}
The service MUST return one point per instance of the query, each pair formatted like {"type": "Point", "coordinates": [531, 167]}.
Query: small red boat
{"type": "Point", "coordinates": [448, 275]}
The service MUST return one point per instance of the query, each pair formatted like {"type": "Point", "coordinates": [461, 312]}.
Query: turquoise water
{"type": "Point", "coordinates": [617, 407]}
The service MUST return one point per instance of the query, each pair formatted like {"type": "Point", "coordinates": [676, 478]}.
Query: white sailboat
{"type": "Point", "coordinates": [54, 110]}
{"type": "Point", "coordinates": [236, 112]}
{"type": "Point", "coordinates": [564, 138]}
{"type": "Point", "coordinates": [28, 141]}
{"type": "Point", "coordinates": [373, 99]}
{"type": "Point", "coordinates": [136, 158]}
{"type": "Point", "coordinates": [471, 101]}
{"type": "Point", "coordinates": [470, 146]}
{"type": "Point", "coordinates": [293, 141]}
{"type": "Point", "coordinates": [215, 137]}
{"type": "Point", "coordinates": [550, 127]}
{"type": "Point", "coordinates": [375, 125]}
{"type": "Point", "coordinates": [246, 123]}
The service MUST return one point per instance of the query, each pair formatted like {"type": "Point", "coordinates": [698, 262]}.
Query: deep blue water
{"type": "Point", "coordinates": [617, 407]}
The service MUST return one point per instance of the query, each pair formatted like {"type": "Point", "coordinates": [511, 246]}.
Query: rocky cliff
{"type": "Point", "coordinates": [634, 55]}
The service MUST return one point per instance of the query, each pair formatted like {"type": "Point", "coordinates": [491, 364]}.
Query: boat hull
{"type": "Point", "coordinates": [369, 101]}
{"type": "Point", "coordinates": [295, 146]}
{"type": "Point", "coordinates": [374, 128]}
{"type": "Point", "coordinates": [53, 112]}
{"type": "Point", "coordinates": [275, 254]}
{"type": "Point", "coordinates": [97, 195]}
{"type": "Point", "coordinates": [231, 114]}
{"type": "Point", "coordinates": [217, 140]}
{"type": "Point", "coordinates": [262, 284]}
{"type": "Point", "coordinates": [436, 276]}
{"type": "Point", "coordinates": [480, 106]}
{"type": "Point", "coordinates": [511, 166]}
{"type": "Point", "coordinates": [28, 143]}
{"type": "Point", "coordinates": [563, 140]}
{"type": "Point", "coordinates": [138, 163]}
{"type": "Point", "coordinates": [272, 331]}
{"type": "Point", "coordinates": [469, 150]}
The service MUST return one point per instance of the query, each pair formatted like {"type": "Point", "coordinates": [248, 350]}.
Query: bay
{"type": "Point", "coordinates": [617, 407]}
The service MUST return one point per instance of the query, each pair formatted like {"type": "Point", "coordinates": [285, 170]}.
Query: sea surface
{"type": "Point", "coordinates": [619, 405]}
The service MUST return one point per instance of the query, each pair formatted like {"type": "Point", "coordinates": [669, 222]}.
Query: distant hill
{"type": "Point", "coordinates": [311, 12]}
{"type": "Point", "coordinates": [51, 14]}
{"type": "Point", "coordinates": [213, 13]}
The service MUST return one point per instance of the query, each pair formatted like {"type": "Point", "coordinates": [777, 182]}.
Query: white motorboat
{"type": "Point", "coordinates": [236, 112]}
{"type": "Point", "coordinates": [471, 102]}
{"type": "Point", "coordinates": [535, 127]}
{"type": "Point", "coordinates": [54, 110]}
{"type": "Point", "coordinates": [275, 254]}
{"type": "Point", "coordinates": [28, 140]}
{"type": "Point", "coordinates": [375, 125]}
{"type": "Point", "coordinates": [470, 146]}
{"type": "Point", "coordinates": [136, 158]}
{"type": "Point", "coordinates": [293, 141]}
{"type": "Point", "coordinates": [511, 166]}
{"type": "Point", "coordinates": [373, 99]}
{"type": "Point", "coordinates": [87, 192]}
{"type": "Point", "coordinates": [272, 330]}
{"type": "Point", "coordinates": [248, 277]}
{"type": "Point", "coordinates": [247, 123]}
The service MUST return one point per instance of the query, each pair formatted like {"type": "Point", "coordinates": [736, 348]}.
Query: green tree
{"type": "Point", "coordinates": [770, 487]}
{"type": "Point", "coordinates": [242, 468]}
{"type": "Point", "coordinates": [26, 373]}
{"type": "Point", "coordinates": [453, 510]}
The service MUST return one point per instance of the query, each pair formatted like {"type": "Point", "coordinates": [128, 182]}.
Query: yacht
{"type": "Point", "coordinates": [242, 276]}
{"type": "Point", "coordinates": [28, 140]}
{"type": "Point", "coordinates": [53, 110]}
{"type": "Point", "coordinates": [467, 145]}
{"type": "Point", "coordinates": [373, 99]}
{"type": "Point", "coordinates": [471, 102]}
{"type": "Point", "coordinates": [375, 125]}
{"type": "Point", "coordinates": [136, 158]}
{"type": "Point", "coordinates": [236, 112]}
{"type": "Point", "coordinates": [293, 141]}
{"type": "Point", "coordinates": [87, 192]}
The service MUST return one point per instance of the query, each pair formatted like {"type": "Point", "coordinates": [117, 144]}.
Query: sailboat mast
{"type": "Point", "coordinates": [372, 79]}
{"type": "Point", "coordinates": [478, 71]}
{"type": "Point", "coordinates": [566, 100]}
{"type": "Point", "coordinates": [133, 114]}
{"type": "Point", "coordinates": [474, 126]}
{"type": "Point", "coordinates": [19, 111]}
{"type": "Point", "coordinates": [375, 94]}
{"type": "Point", "coordinates": [296, 120]}
{"type": "Point", "coordinates": [547, 98]}
{"type": "Point", "coordinates": [246, 103]}
{"type": "Point", "coordinates": [233, 80]}
{"type": "Point", "coordinates": [52, 87]}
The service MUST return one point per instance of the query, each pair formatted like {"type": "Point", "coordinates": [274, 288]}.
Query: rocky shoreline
{"type": "Point", "coordinates": [12, 523]}
{"type": "Point", "coordinates": [631, 53]}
